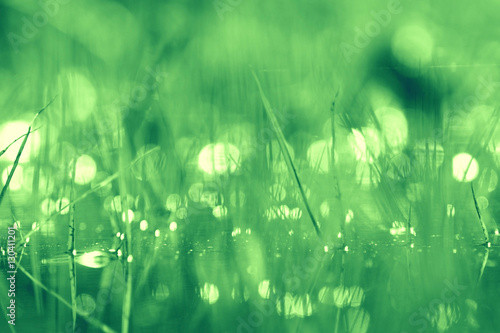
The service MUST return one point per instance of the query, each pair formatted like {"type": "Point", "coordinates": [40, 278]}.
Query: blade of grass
{"type": "Point", "coordinates": [13, 142]}
{"type": "Point", "coordinates": [20, 152]}
{"type": "Point", "coordinates": [89, 319]}
{"type": "Point", "coordinates": [127, 301]}
{"type": "Point", "coordinates": [286, 153]}
{"type": "Point", "coordinates": [483, 226]}
{"type": "Point", "coordinates": [71, 248]}
{"type": "Point", "coordinates": [485, 260]}
{"type": "Point", "coordinates": [14, 166]}
{"type": "Point", "coordinates": [92, 190]}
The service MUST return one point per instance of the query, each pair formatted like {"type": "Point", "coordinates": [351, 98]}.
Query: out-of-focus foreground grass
{"type": "Point", "coordinates": [159, 152]}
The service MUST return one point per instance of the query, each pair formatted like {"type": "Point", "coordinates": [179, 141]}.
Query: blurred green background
{"type": "Point", "coordinates": [193, 203]}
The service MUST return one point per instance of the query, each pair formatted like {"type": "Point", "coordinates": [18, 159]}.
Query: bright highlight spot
{"type": "Point", "coordinates": [9, 133]}
{"type": "Point", "coordinates": [173, 226]}
{"type": "Point", "coordinates": [16, 182]}
{"type": "Point", "coordinates": [219, 212]}
{"type": "Point", "coordinates": [394, 127]}
{"type": "Point", "coordinates": [62, 205]}
{"type": "Point", "coordinates": [130, 216]}
{"type": "Point", "coordinates": [85, 170]}
{"type": "Point", "coordinates": [48, 206]}
{"type": "Point", "coordinates": [94, 259]}
{"type": "Point", "coordinates": [219, 158]}
{"type": "Point", "coordinates": [465, 167]}
{"type": "Point", "coordinates": [412, 46]}
{"type": "Point", "coordinates": [209, 293]}
{"type": "Point", "coordinates": [366, 144]}
{"type": "Point", "coordinates": [318, 155]}
{"type": "Point", "coordinates": [349, 216]}
{"type": "Point", "coordinates": [264, 289]}
{"type": "Point", "coordinates": [143, 225]}
{"type": "Point", "coordinates": [173, 202]}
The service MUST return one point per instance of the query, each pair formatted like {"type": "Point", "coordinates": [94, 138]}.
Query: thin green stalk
{"type": "Point", "coordinates": [485, 260]}
{"type": "Point", "coordinates": [13, 142]}
{"type": "Point", "coordinates": [483, 226]}
{"type": "Point", "coordinates": [14, 166]}
{"type": "Point", "coordinates": [91, 190]}
{"type": "Point", "coordinates": [71, 249]}
{"type": "Point", "coordinates": [337, 193]}
{"type": "Point", "coordinates": [284, 149]}
{"type": "Point", "coordinates": [90, 320]}
{"type": "Point", "coordinates": [127, 301]}
{"type": "Point", "coordinates": [19, 153]}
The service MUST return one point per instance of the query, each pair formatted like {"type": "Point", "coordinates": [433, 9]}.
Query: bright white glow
{"type": "Point", "coordinates": [366, 144]}
{"type": "Point", "coordinates": [283, 212]}
{"type": "Point", "coordinates": [219, 212]}
{"type": "Point", "coordinates": [61, 204]}
{"type": "Point", "coordinates": [130, 258]}
{"type": "Point", "coordinates": [16, 183]}
{"type": "Point", "coordinates": [173, 202]}
{"type": "Point", "coordinates": [295, 213]}
{"type": "Point", "coordinates": [94, 259]}
{"type": "Point", "coordinates": [10, 132]}
{"type": "Point", "coordinates": [181, 213]}
{"type": "Point", "coordinates": [465, 167]}
{"type": "Point", "coordinates": [394, 127]}
{"type": "Point", "coordinates": [157, 233]}
{"type": "Point", "coordinates": [412, 46]}
{"type": "Point", "coordinates": [302, 306]}
{"type": "Point", "coordinates": [173, 226]}
{"type": "Point", "coordinates": [85, 170]}
{"type": "Point", "coordinates": [130, 216]}
{"type": "Point", "coordinates": [48, 206]}
{"type": "Point", "coordinates": [349, 216]}
{"type": "Point", "coordinates": [143, 225]}
{"type": "Point", "coordinates": [341, 296]}
{"type": "Point", "coordinates": [318, 155]}
{"type": "Point", "coordinates": [209, 293]}
{"type": "Point", "coordinates": [264, 289]}
{"type": "Point", "coordinates": [219, 158]}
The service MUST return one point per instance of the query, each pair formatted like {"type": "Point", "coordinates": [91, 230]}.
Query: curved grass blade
{"type": "Point", "coordinates": [483, 226]}
{"type": "Point", "coordinates": [89, 319]}
{"type": "Point", "coordinates": [92, 190]}
{"type": "Point", "coordinates": [20, 152]}
{"type": "Point", "coordinates": [14, 166]}
{"type": "Point", "coordinates": [286, 153]}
